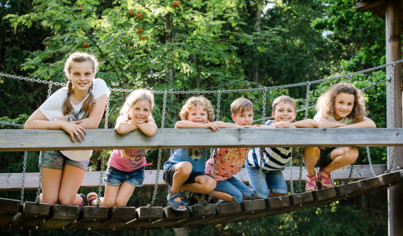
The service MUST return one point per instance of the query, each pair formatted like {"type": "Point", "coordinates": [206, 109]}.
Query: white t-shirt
{"type": "Point", "coordinates": [344, 120]}
{"type": "Point", "coordinates": [52, 109]}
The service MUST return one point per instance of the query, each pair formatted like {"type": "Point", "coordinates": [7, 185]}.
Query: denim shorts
{"type": "Point", "coordinates": [117, 177]}
{"type": "Point", "coordinates": [269, 180]}
{"type": "Point", "coordinates": [235, 188]}
{"type": "Point", "coordinates": [56, 160]}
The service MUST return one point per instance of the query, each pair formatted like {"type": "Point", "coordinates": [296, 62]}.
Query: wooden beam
{"type": "Point", "coordinates": [36, 140]}
{"type": "Point", "coordinates": [12, 181]}
{"type": "Point", "coordinates": [368, 5]}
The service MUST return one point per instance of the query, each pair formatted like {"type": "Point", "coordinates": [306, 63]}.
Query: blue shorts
{"type": "Point", "coordinates": [269, 180]}
{"type": "Point", "coordinates": [56, 160]}
{"type": "Point", "coordinates": [116, 177]}
{"type": "Point", "coordinates": [235, 188]}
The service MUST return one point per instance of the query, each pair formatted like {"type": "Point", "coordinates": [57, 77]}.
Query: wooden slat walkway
{"type": "Point", "coordinates": [43, 217]}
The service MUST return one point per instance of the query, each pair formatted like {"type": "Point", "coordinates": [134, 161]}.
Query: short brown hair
{"type": "Point", "coordinates": [240, 105]}
{"type": "Point", "coordinates": [284, 99]}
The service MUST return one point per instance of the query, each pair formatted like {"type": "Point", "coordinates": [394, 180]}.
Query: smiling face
{"type": "Point", "coordinates": [243, 118]}
{"type": "Point", "coordinates": [343, 105]}
{"type": "Point", "coordinates": [284, 112]}
{"type": "Point", "coordinates": [81, 75]}
{"type": "Point", "coordinates": [198, 114]}
{"type": "Point", "coordinates": [140, 112]}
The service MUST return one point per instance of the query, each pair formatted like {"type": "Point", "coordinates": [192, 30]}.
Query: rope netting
{"type": "Point", "coordinates": [263, 91]}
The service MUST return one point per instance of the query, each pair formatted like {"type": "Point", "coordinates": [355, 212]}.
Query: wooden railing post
{"type": "Point", "coordinates": [393, 53]}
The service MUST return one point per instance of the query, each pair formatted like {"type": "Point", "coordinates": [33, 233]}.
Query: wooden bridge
{"type": "Point", "coordinates": [43, 216]}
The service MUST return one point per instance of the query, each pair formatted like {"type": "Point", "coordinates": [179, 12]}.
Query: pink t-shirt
{"type": "Point", "coordinates": [229, 162]}
{"type": "Point", "coordinates": [136, 160]}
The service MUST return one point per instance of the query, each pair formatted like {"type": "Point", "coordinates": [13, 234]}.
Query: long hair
{"type": "Point", "coordinates": [194, 102]}
{"type": "Point", "coordinates": [89, 102]}
{"type": "Point", "coordinates": [326, 101]}
{"type": "Point", "coordinates": [134, 98]}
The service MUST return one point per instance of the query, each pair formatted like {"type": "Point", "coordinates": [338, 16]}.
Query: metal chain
{"type": "Point", "coordinates": [101, 173]}
{"type": "Point", "coordinates": [308, 87]}
{"type": "Point", "coordinates": [370, 162]}
{"type": "Point", "coordinates": [24, 170]}
{"type": "Point", "coordinates": [291, 179]}
{"type": "Point", "coordinates": [350, 79]}
{"type": "Point", "coordinates": [214, 156]}
{"type": "Point", "coordinates": [392, 107]}
{"type": "Point", "coordinates": [264, 105]}
{"type": "Point", "coordinates": [218, 105]}
{"type": "Point", "coordinates": [49, 89]}
{"type": "Point", "coordinates": [40, 166]}
{"type": "Point", "coordinates": [300, 171]}
{"type": "Point", "coordinates": [164, 106]}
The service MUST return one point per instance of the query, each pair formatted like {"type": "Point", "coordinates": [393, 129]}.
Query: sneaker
{"type": "Point", "coordinates": [91, 197]}
{"type": "Point", "coordinates": [325, 179]}
{"type": "Point", "coordinates": [84, 200]}
{"type": "Point", "coordinates": [311, 181]}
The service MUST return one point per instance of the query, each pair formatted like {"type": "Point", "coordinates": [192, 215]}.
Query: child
{"type": "Point", "coordinates": [229, 161]}
{"type": "Point", "coordinates": [342, 106]}
{"type": "Point", "coordinates": [126, 167]}
{"type": "Point", "coordinates": [184, 170]}
{"type": "Point", "coordinates": [274, 159]}
{"type": "Point", "coordinates": [74, 108]}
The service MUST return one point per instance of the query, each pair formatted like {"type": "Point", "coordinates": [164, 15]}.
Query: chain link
{"type": "Point", "coordinates": [392, 120]}
{"type": "Point", "coordinates": [291, 179]}
{"type": "Point", "coordinates": [308, 87]}
{"type": "Point", "coordinates": [164, 106]}
{"type": "Point", "coordinates": [101, 175]}
{"type": "Point", "coordinates": [24, 170]}
{"type": "Point", "coordinates": [218, 105]}
{"type": "Point", "coordinates": [40, 166]}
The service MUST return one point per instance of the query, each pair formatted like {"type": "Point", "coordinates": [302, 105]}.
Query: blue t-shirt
{"type": "Point", "coordinates": [196, 156]}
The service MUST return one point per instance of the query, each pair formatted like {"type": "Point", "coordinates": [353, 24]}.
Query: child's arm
{"type": "Point", "coordinates": [323, 122]}
{"type": "Point", "coordinates": [149, 128]}
{"type": "Point", "coordinates": [95, 117]}
{"type": "Point", "coordinates": [215, 125]}
{"type": "Point", "coordinates": [123, 126]}
{"type": "Point", "coordinates": [365, 123]}
{"type": "Point", "coordinates": [308, 123]}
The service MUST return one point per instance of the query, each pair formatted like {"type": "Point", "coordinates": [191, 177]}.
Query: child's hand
{"type": "Point", "coordinates": [284, 124]}
{"type": "Point", "coordinates": [74, 129]}
{"type": "Point", "coordinates": [214, 126]}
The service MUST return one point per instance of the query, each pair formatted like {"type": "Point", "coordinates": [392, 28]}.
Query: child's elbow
{"type": "Point", "coordinates": [314, 124]}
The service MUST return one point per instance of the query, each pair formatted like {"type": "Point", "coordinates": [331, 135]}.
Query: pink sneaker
{"type": "Point", "coordinates": [311, 181]}
{"type": "Point", "coordinates": [325, 179]}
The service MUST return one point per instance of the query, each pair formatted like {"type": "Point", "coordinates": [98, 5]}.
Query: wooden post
{"type": "Point", "coordinates": [393, 53]}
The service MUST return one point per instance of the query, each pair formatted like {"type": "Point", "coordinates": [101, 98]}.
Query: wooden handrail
{"type": "Point", "coordinates": [96, 139]}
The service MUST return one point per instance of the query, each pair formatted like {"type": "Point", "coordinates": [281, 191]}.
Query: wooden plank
{"type": "Point", "coordinates": [228, 208]}
{"type": "Point", "coordinates": [62, 215]}
{"type": "Point", "coordinates": [279, 202]}
{"type": "Point", "coordinates": [31, 215]}
{"type": "Point", "coordinates": [8, 209]}
{"type": "Point", "coordinates": [301, 199]}
{"type": "Point", "coordinates": [198, 214]}
{"type": "Point", "coordinates": [171, 217]}
{"type": "Point", "coordinates": [252, 206]}
{"type": "Point", "coordinates": [324, 195]}
{"type": "Point", "coordinates": [118, 218]}
{"type": "Point", "coordinates": [12, 181]}
{"type": "Point", "coordinates": [27, 140]}
{"type": "Point", "coordinates": [350, 189]}
{"type": "Point", "coordinates": [145, 216]}
{"type": "Point", "coordinates": [90, 217]}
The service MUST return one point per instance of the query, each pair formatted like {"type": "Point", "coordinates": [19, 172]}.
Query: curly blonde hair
{"type": "Point", "coordinates": [135, 97]}
{"type": "Point", "coordinates": [194, 102]}
{"type": "Point", "coordinates": [326, 101]}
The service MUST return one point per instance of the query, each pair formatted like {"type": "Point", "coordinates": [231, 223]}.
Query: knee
{"type": "Point", "coordinates": [50, 201]}
{"type": "Point", "coordinates": [108, 204]}
{"type": "Point", "coordinates": [120, 203]}
{"type": "Point", "coordinates": [185, 168]}
{"type": "Point", "coordinates": [210, 184]}
{"type": "Point", "coordinates": [352, 154]}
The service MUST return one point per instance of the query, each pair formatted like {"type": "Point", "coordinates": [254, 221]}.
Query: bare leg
{"type": "Point", "coordinates": [342, 156]}
{"type": "Point", "coordinates": [182, 172]}
{"type": "Point", "coordinates": [50, 186]}
{"type": "Point", "coordinates": [203, 184]}
{"type": "Point", "coordinates": [71, 182]}
{"type": "Point", "coordinates": [125, 192]}
{"type": "Point", "coordinates": [311, 157]}
{"type": "Point", "coordinates": [224, 196]}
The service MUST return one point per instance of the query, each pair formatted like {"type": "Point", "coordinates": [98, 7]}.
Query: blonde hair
{"type": "Point", "coordinates": [326, 101]}
{"type": "Point", "coordinates": [134, 98]}
{"type": "Point", "coordinates": [89, 102]}
{"type": "Point", "coordinates": [283, 99]}
{"type": "Point", "coordinates": [194, 102]}
{"type": "Point", "coordinates": [241, 105]}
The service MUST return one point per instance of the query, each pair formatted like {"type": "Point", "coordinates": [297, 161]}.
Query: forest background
{"type": "Point", "coordinates": [196, 46]}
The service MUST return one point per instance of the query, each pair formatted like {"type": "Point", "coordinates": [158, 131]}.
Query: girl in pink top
{"type": "Point", "coordinates": [126, 167]}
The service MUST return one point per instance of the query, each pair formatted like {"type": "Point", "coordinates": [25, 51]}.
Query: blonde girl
{"type": "Point", "coordinates": [342, 106]}
{"type": "Point", "coordinates": [74, 108]}
{"type": "Point", "coordinates": [126, 167]}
